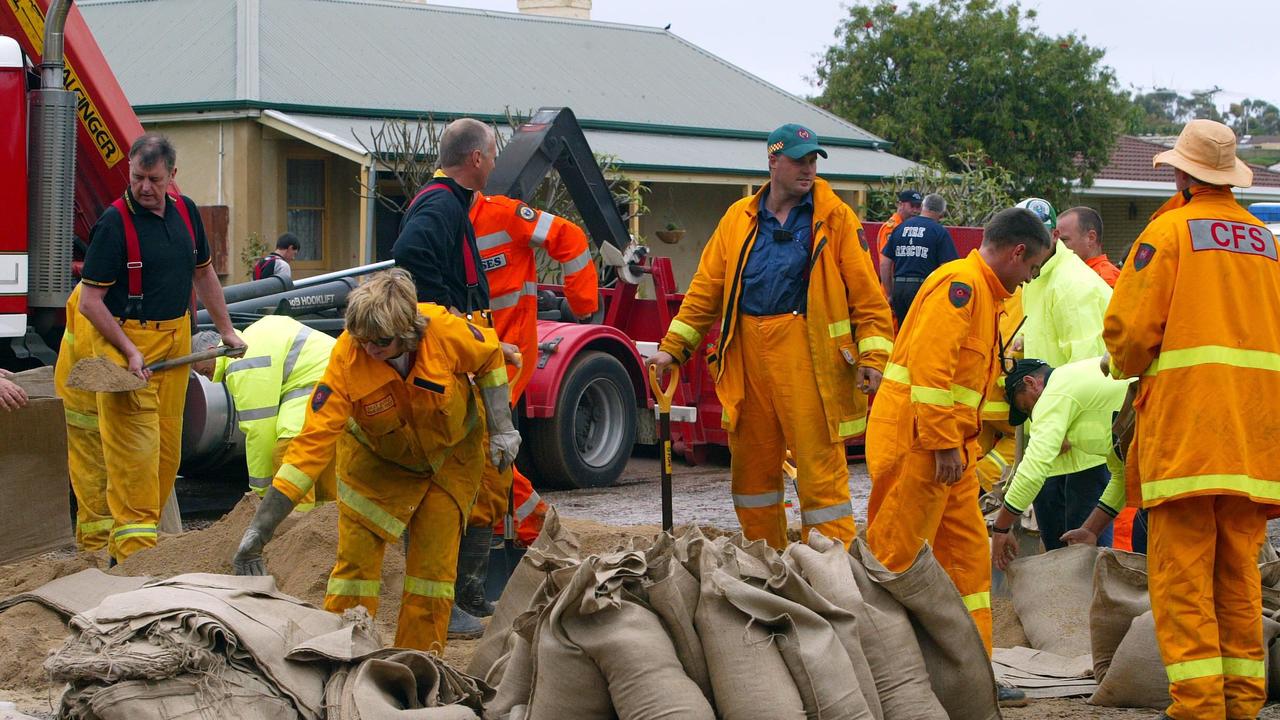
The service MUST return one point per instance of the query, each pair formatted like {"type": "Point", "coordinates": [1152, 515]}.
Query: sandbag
{"type": "Point", "coordinates": [566, 682]}
{"type": "Point", "coordinates": [884, 629]}
{"type": "Point", "coordinates": [397, 684]}
{"type": "Point", "coordinates": [673, 596]}
{"type": "Point", "coordinates": [1052, 594]}
{"type": "Point", "coordinates": [954, 654]}
{"type": "Point", "coordinates": [749, 678]}
{"type": "Point", "coordinates": [554, 547]}
{"type": "Point", "coordinates": [1119, 596]}
{"type": "Point", "coordinates": [818, 663]}
{"type": "Point", "coordinates": [229, 693]}
{"type": "Point", "coordinates": [517, 674]}
{"type": "Point", "coordinates": [795, 587]}
{"type": "Point", "coordinates": [1136, 677]}
{"type": "Point", "coordinates": [34, 507]}
{"type": "Point", "coordinates": [638, 661]}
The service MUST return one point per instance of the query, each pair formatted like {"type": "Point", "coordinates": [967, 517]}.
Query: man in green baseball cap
{"type": "Point", "coordinates": [804, 334]}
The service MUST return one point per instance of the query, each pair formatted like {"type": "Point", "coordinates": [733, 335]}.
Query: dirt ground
{"type": "Point", "coordinates": [302, 555]}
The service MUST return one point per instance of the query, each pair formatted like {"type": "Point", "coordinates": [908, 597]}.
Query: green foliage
{"type": "Point", "coordinates": [973, 194]}
{"type": "Point", "coordinates": [1165, 112]}
{"type": "Point", "coordinates": [251, 251]}
{"type": "Point", "coordinates": [970, 75]}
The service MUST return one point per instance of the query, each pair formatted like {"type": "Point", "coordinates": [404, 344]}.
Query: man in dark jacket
{"type": "Point", "coordinates": [437, 244]}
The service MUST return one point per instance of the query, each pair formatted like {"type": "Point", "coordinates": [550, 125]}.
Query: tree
{"type": "Point", "coordinates": [1254, 117]}
{"type": "Point", "coordinates": [974, 193]}
{"type": "Point", "coordinates": [1163, 111]}
{"type": "Point", "coordinates": [970, 75]}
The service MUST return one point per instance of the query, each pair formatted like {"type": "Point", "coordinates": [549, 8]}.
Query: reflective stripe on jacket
{"type": "Point", "coordinates": [270, 385]}
{"type": "Point", "coordinates": [847, 310]}
{"type": "Point", "coordinates": [946, 356]}
{"type": "Point", "coordinates": [1196, 315]}
{"type": "Point", "coordinates": [507, 231]}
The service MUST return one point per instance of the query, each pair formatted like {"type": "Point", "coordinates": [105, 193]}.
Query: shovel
{"type": "Point", "coordinates": [98, 374]}
{"type": "Point", "coordinates": [663, 400]}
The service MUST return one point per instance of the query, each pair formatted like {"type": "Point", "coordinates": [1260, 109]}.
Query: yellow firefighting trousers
{"type": "Point", "coordinates": [377, 502]}
{"type": "Point", "coordinates": [911, 508]}
{"type": "Point", "coordinates": [782, 410]}
{"type": "Point", "coordinates": [84, 445]}
{"type": "Point", "coordinates": [1207, 600]}
{"type": "Point", "coordinates": [141, 433]}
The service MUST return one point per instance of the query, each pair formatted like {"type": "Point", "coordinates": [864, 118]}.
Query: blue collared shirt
{"type": "Point", "coordinates": [773, 280]}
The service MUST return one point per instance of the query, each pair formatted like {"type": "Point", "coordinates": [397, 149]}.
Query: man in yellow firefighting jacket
{"type": "Point", "coordinates": [270, 385]}
{"type": "Point", "coordinates": [804, 334]}
{"type": "Point", "coordinates": [923, 434]}
{"type": "Point", "coordinates": [398, 406]}
{"type": "Point", "coordinates": [1196, 318]}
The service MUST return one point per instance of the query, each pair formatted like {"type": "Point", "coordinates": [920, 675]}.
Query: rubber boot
{"type": "Point", "coordinates": [473, 568]}
{"type": "Point", "coordinates": [463, 626]}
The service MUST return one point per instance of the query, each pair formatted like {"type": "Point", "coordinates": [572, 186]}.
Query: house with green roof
{"type": "Point", "coordinates": [271, 104]}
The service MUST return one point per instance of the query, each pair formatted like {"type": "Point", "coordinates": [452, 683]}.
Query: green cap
{"type": "Point", "coordinates": [1043, 210]}
{"type": "Point", "coordinates": [794, 141]}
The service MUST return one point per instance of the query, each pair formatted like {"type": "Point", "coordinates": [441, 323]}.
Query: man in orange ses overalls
{"type": "Point", "coordinates": [507, 233]}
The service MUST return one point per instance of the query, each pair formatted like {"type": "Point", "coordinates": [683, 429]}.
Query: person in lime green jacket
{"type": "Point", "coordinates": [1072, 407]}
{"type": "Point", "coordinates": [269, 387]}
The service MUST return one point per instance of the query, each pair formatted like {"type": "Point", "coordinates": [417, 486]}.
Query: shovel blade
{"type": "Point", "coordinates": [98, 374]}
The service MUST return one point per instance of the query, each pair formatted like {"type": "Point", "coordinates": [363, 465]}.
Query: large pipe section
{"type": "Point", "coordinates": [52, 168]}
{"type": "Point", "coordinates": [298, 301]}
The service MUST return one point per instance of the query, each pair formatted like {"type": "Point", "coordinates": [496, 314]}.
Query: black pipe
{"type": "Point", "coordinates": [327, 296]}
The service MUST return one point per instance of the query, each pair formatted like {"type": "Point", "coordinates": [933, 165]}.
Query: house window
{"type": "Point", "coordinates": [304, 199]}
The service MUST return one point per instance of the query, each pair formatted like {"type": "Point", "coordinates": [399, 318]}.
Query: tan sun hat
{"type": "Point", "coordinates": [1206, 150]}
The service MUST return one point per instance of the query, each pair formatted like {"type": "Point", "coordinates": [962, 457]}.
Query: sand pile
{"type": "Point", "coordinates": [98, 374]}
{"type": "Point", "coordinates": [28, 632]}
{"type": "Point", "coordinates": [1006, 630]}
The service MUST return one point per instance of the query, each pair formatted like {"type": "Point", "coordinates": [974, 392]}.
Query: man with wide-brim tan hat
{"type": "Point", "coordinates": [1195, 316]}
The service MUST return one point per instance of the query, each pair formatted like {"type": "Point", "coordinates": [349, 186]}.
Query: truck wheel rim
{"type": "Point", "coordinates": [597, 423]}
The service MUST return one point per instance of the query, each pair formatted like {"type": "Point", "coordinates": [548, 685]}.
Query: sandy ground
{"type": "Point", "coordinates": [601, 517]}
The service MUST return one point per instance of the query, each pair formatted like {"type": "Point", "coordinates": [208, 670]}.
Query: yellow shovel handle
{"type": "Point", "coordinates": [661, 396]}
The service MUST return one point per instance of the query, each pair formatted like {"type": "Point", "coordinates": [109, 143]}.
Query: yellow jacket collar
{"type": "Point", "coordinates": [993, 281]}
{"type": "Point", "coordinates": [1185, 197]}
{"type": "Point", "coordinates": [825, 199]}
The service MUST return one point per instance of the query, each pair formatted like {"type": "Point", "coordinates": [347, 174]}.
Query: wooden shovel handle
{"type": "Point", "coordinates": [197, 357]}
{"type": "Point", "coordinates": [664, 396]}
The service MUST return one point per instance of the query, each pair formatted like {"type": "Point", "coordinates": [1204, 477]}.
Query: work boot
{"type": "Point", "coordinates": [463, 626]}
{"type": "Point", "coordinates": [473, 569]}
{"type": "Point", "coordinates": [1010, 697]}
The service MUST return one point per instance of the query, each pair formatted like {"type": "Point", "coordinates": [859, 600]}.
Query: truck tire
{"type": "Point", "coordinates": [589, 439]}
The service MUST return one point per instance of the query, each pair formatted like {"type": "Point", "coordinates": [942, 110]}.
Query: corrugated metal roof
{"type": "Point", "coordinates": [379, 57]}
{"type": "Point", "coordinates": [644, 151]}
{"type": "Point", "coordinates": [182, 51]}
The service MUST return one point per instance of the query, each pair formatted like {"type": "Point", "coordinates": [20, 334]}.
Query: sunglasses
{"type": "Point", "coordinates": [380, 342]}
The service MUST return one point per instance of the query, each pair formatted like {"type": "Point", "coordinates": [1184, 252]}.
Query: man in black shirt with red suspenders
{"type": "Point", "coordinates": [146, 253]}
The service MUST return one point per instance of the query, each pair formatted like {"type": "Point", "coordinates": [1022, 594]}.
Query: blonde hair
{"type": "Point", "coordinates": [386, 306]}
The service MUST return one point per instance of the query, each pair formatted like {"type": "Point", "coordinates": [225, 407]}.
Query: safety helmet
{"type": "Point", "coordinates": [1043, 210]}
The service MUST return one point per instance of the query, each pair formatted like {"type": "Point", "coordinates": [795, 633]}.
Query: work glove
{"type": "Point", "coordinates": [275, 507]}
{"type": "Point", "coordinates": [504, 441]}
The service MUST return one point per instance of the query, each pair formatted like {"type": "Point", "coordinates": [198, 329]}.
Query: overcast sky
{"type": "Point", "coordinates": [1181, 44]}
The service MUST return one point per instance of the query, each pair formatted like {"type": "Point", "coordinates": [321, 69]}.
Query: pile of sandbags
{"type": "Point", "coordinates": [694, 627]}
{"type": "Point", "coordinates": [203, 645]}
